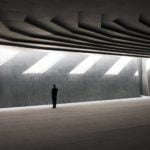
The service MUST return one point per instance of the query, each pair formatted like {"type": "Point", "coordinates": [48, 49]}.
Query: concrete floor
{"type": "Point", "coordinates": [112, 125]}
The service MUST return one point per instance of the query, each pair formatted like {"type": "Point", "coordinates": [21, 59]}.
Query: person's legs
{"type": "Point", "coordinates": [54, 102]}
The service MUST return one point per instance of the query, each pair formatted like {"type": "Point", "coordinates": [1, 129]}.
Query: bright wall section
{"type": "Point", "coordinates": [27, 76]}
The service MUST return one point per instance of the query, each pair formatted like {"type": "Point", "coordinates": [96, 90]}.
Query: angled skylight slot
{"type": "Point", "coordinates": [118, 66]}
{"type": "Point", "coordinates": [6, 55]}
{"type": "Point", "coordinates": [45, 63]}
{"type": "Point", "coordinates": [86, 64]}
{"type": "Point", "coordinates": [147, 64]}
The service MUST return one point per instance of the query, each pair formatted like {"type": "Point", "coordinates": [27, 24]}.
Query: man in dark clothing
{"type": "Point", "coordinates": [54, 95]}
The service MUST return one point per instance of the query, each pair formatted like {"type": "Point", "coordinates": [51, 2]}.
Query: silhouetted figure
{"type": "Point", "coordinates": [54, 95]}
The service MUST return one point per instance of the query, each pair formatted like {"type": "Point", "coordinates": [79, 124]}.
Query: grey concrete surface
{"type": "Point", "coordinates": [105, 125]}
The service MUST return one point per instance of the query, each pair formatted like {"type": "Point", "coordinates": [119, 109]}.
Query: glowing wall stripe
{"type": "Point", "coordinates": [86, 64]}
{"type": "Point", "coordinates": [136, 73]}
{"type": "Point", "coordinates": [6, 55]}
{"type": "Point", "coordinates": [147, 64]}
{"type": "Point", "coordinates": [118, 66]}
{"type": "Point", "coordinates": [45, 63]}
{"type": "Point", "coordinates": [125, 100]}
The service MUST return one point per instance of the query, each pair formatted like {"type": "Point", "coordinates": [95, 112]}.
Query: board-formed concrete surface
{"type": "Point", "coordinates": [108, 125]}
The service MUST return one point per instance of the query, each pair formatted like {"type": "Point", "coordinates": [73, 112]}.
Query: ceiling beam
{"type": "Point", "coordinates": [110, 52]}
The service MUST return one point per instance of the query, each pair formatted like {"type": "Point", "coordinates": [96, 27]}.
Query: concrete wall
{"type": "Point", "coordinates": [145, 77]}
{"type": "Point", "coordinates": [19, 89]}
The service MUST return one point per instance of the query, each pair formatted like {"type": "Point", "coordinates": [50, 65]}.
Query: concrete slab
{"type": "Point", "coordinates": [119, 124]}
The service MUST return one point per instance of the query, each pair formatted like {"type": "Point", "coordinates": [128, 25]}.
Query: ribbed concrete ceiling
{"type": "Point", "coordinates": [104, 26]}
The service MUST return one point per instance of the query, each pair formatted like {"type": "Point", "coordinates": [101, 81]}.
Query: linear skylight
{"type": "Point", "coordinates": [118, 66]}
{"type": "Point", "coordinates": [6, 55]}
{"type": "Point", "coordinates": [86, 64]}
{"type": "Point", "coordinates": [45, 63]}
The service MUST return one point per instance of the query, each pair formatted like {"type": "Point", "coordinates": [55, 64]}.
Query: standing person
{"type": "Point", "coordinates": [54, 95]}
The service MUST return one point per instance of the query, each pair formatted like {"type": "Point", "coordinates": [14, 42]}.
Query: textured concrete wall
{"type": "Point", "coordinates": [145, 79]}
{"type": "Point", "coordinates": [19, 89]}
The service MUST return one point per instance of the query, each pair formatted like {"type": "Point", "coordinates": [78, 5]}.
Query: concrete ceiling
{"type": "Point", "coordinates": [100, 26]}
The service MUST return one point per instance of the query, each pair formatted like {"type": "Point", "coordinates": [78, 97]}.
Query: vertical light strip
{"type": "Point", "coordinates": [6, 55]}
{"type": "Point", "coordinates": [45, 63]}
{"type": "Point", "coordinates": [118, 66]}
{"type": "Point", "coordinates": [136, 73]}
{"type": "Point", "coordinates": [86, 64]}
{"type": "Point", "coordinates": [147, 64]}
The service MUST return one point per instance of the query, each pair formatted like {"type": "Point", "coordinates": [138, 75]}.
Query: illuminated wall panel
{"type": "Point", "coordinates": [136, 73]}
{"type": "Point", "coordinates": [119, 66]}
{"type": "Point", "coordinates": [6, 55]}
{"type": "Point", "coordinates": [45, 63]}
{"type": "Point", "coordinates": [86, 64]}
{"type": "Point", "coordinates": [147, 64]}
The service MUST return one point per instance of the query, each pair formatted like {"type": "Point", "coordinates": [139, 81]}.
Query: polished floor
{"type": "Point", "coordinates": [111, 125]}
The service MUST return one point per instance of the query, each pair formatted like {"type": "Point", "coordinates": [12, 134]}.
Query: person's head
{"type": "Point", "coordinates": [54, 85]}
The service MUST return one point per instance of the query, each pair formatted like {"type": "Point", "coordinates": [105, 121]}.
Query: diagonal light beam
{"type": "Point", "coordinates": [118, 66]}
{"type": "Point", "coordinates": [6, 55]}
{"type": "Point", "coordinates": [45, 63]}
{"type": "Point", "coordinates": [86, 64]}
